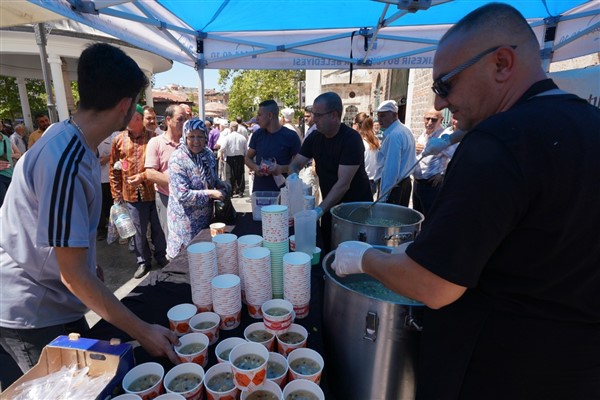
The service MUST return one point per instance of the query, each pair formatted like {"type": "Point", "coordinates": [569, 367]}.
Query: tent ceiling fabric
{"type": "Point", "coordinates": [20, 12]}
{"type": "Point", "coordinates": [314, 34]}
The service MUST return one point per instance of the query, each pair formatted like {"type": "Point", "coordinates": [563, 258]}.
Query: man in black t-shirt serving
{"type": "Point", "coordinates": [338, 152]}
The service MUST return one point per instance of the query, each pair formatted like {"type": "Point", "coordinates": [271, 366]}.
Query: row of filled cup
{"type": "Point", "coordinates": [225, 380]}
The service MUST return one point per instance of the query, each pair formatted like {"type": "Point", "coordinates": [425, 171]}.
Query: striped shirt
{"type": "Point", "coordinates": [54, 200]}
{"type": "Point", "coordinates": [132, 154]}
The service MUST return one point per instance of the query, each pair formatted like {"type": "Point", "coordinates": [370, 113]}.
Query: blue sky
{"type": "Point", "coordinates": [187, 76]}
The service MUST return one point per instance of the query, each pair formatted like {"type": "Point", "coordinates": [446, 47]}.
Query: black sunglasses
{"type": "Point", "coordinates": [441, 86]}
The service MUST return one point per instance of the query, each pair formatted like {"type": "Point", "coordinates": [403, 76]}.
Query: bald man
{"type": "Point", "coordinates": [429, 172]}
{"type": "Point", "coordinates": [505, 262]}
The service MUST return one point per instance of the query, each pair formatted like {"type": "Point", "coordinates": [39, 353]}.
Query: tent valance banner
{"type": "Point", "coordinates": [329, 34]}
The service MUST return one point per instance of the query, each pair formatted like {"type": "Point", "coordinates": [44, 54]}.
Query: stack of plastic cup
{"type": "Point", "coordinates": [246, 242]}
{"type": "Point", "coordinates": [202, 260]}
{"type": "Point", "coordinates": [275, 234]}
{"type": "Point", "coordinates": [296, 282]}
{"type": "Point", "coordinates": [309, 202]}
{"type": "Point", "coordinates": [227, 300]}
{"type": "Point", "coordinates": [256, 263]}
{"type": "Point", "coordinates": [227, 258]}
{"type": "Point", "coordinates": [284, 200]}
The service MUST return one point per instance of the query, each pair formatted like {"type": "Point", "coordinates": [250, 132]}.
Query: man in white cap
{"type": "Point", "coordinates": [396, 157]}
{"type": "Point", "coordinates": [287, 118]}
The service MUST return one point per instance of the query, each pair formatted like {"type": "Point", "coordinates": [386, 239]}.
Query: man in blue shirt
{"type": "Point", "coordinates": [271, 149]}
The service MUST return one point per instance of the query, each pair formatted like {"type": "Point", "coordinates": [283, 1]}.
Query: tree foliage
{"type": "Point", "coordinates": [10, 104]}
{"type": "Point", "coordinates": [250, 87]}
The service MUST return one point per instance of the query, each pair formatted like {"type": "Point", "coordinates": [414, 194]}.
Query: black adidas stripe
{"type": "Point", "coordinates": [59, 189]}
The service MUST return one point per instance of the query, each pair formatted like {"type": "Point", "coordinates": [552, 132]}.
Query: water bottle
{"type": "Point", "coordinates": [122, 220]}
{"type": "Point", "coordinates": [295, 194]}
{"type": "Point", "coordinates": [305, 231]}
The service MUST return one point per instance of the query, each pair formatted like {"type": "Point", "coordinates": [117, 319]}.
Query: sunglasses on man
{"type": "Point", "coordinates": [441, 87]}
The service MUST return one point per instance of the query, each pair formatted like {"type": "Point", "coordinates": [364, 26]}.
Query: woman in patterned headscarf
{"type": "Point", "coordinates": [193, 186]}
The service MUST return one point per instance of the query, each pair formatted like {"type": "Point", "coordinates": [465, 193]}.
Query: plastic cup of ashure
{"type": "Point", "coordinates": [281, 378]}
{"type": "Point", "coordinates": [312, 357]}
{"type": "Point", "coordinates": [286, 347]}
{"type": "Point", "coordinates": [256, 329]}
{"type": "Point", "coordinates": [303, 385]}
{"type": "Point", "coordinates": [249, 365]}
{"type": "Point", "coordinates": [170, 396]}
{"type": "Point", "coordinates": [213, 393]}
{"type": "Point", "coordinates": [217, 228]}
{"type": "Point", "coordinates": [192, 392]}
{"type": "Point", "coordinates": [269, 387]}
{"type": "Point", "coordinates": [207, 318]}
{"type": "Point", "coordinates": [199, 357]}
{"type": "Point", "coordinates": [226, 345]}
{"type": "Point", "coordinates": [145, 370]}
{"type": "Point", "coordinates": [179, 317]}
{"type": "Point", "coordinates": [277, 324]}
{"type": "Point", "coordinates": [128, 396]}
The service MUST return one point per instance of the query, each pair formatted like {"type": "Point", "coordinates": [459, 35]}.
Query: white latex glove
{"type": "Point", "coordinates": [348, 257]}
{"type": "Point", "coordinates": [436, 145]}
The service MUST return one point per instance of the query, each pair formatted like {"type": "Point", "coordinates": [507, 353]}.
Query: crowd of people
{"type": "Point", "coordinates": [505, 262]}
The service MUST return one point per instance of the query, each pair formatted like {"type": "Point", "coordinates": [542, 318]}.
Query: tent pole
{"type": "Point", "coordinates": [40, 38]}
{"type": "Point", "coordinates": [201, 93]}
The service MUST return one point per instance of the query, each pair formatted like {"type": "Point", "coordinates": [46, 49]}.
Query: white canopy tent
{"type": "Point", "coordinates": [317, 34]}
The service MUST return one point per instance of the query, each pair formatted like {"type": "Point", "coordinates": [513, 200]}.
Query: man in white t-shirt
{"type": "Point", "coordinates": [233, 147]}
{"type": "Point", "coordinates": [48, 273]}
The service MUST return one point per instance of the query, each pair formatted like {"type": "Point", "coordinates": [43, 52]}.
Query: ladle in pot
{"type": "Point", "coordinates": [382, 195]}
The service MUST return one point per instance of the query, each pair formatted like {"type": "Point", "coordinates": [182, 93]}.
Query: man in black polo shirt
{"type": "Point", "coordinates": [508, 259]}
{"type": "Point", "coordinates": [338, 152]}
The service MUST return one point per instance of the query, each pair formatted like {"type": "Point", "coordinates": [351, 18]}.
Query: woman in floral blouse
{"type": "Point", "coordinates": [193, 186]}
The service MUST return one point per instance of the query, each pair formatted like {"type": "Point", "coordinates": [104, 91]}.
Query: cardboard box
{"type": "Point", "coordinates": [101, 357]}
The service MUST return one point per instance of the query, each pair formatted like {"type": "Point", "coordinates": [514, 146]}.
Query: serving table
{"type": "Point", "coordinates": [165, 288]}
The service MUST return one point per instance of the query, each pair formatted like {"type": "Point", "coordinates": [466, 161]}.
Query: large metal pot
{"type": "Point", "coordinates": [348, 223]}
{"type": "Point", "coordinates": [371, 344]}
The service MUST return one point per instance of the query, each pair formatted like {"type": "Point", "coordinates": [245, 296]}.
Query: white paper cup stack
{"type": "Point", "coordinates": [296, 281]}
{"type": "Point", "coordinates": [246, 242]}
{"type": "Point", "coordinates": [227, 300]}
{"type": "Point", "coordinates": [275, 233]}
{"type": "Point", "coordinates": [257, 275]}
{"type": "Point", "coordinates": [275, 219]}
{"type": "Point", "coordinates": [227, 258]}
{"type": "Point", "coordinates": [202, 260]}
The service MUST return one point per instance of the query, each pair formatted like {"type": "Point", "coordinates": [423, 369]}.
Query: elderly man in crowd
{"type": "Point", "coordinates": [505, 262]}
{"type": "Point", "coordinates": [429, 173]}
{"type": "Point", "coordinates": [233, 148]}
{"type": "Point", "coordinates": [158, 152]}
{"type": "Point", "coordinates": [18, 138]}
{"type": "Point", "coordinates": [130, 185]}
{"type": "Point", "coordinates": [396, 156]}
